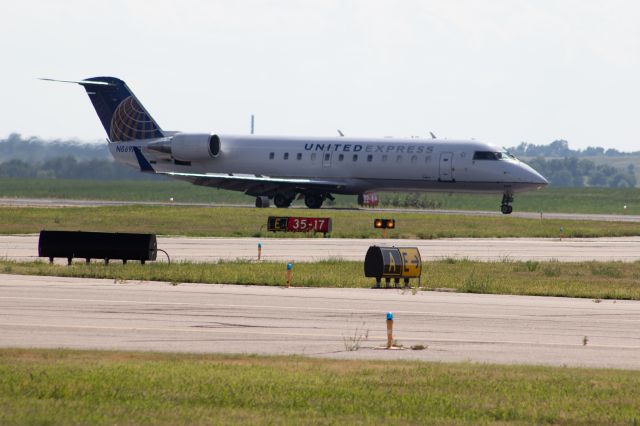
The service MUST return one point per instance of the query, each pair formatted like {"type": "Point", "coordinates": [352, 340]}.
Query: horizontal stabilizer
{"type": "Point", "coordinates": [83, 82]}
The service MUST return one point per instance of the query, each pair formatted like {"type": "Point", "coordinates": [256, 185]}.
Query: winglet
{"type": "Point", "coordinates": [144, 164]}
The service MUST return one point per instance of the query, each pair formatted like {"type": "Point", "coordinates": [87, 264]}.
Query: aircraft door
{"type": "Point", "coordinates": [446, 167]}
{"type": "Point", "coordinates": [326, 158]}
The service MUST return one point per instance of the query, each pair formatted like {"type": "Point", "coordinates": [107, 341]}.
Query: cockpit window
{"type": "Point", "coordinates": [492, 155]}
{"type": "Point", "coordinates": [487, 155]}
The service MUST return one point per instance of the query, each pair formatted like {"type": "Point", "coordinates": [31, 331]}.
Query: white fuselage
{"type": "Point", "coordinates": [361, 164]}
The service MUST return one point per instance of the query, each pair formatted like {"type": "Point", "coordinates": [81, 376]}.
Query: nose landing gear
{"type": "Point", "coordinates": [506, 207]}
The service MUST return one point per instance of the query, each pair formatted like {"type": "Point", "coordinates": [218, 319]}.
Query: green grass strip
{"type": "Point", "coordinates": [246, 222]}
{"type": "Point", "coordinates": [597, 280]}
{"type": "Point", "coordinates": [127, 388]}
{"type": "Point", "coordinates": [550, 199]}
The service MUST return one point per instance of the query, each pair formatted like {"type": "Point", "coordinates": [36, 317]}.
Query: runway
{"type": "Point", "coordinates": [25, 247]}
{"type": "Point", "coordinates": [52, 202]}
{"type": "Point", "coordinates": [46, 312]}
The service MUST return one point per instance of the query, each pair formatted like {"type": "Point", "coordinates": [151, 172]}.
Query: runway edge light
{"type": "Point", "coordinates": [384, 223]}
{"type": "Point", "coordinates": [289, 273]}
{"type": "Point", "coordinates": [389, 329]}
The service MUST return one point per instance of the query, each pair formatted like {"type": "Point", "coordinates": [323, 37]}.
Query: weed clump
{"type": "Point", "coordinates": [474, 284]}
{"type": "Point", "coordinates": [531, 265]}
{"type": "Point", "coordinates": [607, 270]}
{"type": "Point", "coordinates": [552, 271]}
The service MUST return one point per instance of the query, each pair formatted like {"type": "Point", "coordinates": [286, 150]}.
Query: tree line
{"type": "Point", "coordinates": [61, 159]}
{"type": "Point", "coordinates": [576, 172]}
{"type": "Point", "coordinates": [36, 150]}
{"type": "Point", "coordinates": [560, 148]}
{"type": "Point", "coordinates": [70, 168]}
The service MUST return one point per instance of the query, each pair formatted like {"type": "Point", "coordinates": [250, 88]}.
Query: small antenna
{"type": "Point", "coordinates": [253, 123]}
{"type": "Point", "coordinates": [340, 133]}
{"type": "Point", "coordinates": [432, 135]}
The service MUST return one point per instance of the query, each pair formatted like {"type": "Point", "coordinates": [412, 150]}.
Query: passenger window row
{"type": "Point", "coordinates": [354, 158]}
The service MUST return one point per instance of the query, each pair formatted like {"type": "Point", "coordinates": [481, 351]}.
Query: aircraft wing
{"type": "Point", "coordinates": [256, 184]}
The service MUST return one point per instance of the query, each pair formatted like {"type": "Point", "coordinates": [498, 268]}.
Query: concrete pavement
{"type": "Point", "coordinates": [48, 312]}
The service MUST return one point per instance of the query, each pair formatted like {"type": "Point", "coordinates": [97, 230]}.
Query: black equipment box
{"type": "Point", "coordinates": [97, 245]}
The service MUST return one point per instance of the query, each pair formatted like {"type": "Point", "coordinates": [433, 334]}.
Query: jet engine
{"type": "Point", "coordinates": [189, 146]}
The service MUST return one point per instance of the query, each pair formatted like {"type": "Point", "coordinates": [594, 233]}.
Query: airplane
{"type": "Point", "coordinates": [314, 168]}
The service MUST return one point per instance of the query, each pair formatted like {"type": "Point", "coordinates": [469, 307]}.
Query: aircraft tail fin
{"type": "Point", "coordinates": [121, 113]}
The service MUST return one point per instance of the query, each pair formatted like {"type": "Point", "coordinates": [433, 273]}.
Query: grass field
{"type": "Point", "coordinates": [248, 222]}
{"type": "Point", "coordinates": [89, 387]}
{"type": "Point", "coordinates": [568, 200]}
{"type": "Point", "coordinates": [596, 280]}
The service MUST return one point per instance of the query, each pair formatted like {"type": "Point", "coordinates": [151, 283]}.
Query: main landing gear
{"type": "Point", "coordinates": [506, 207]}
{"type": "Point", "coordinates": [262, 202]}
{"type": "Point", "coordinates": [282, 200]}
{"type": "Point", "coordinates": [314, 200]}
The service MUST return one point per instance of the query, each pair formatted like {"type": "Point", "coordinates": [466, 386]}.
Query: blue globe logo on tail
{"type": "Point", "coordinates": [120, 112]}
{"type": "Point", "coordinates": [130, 121]}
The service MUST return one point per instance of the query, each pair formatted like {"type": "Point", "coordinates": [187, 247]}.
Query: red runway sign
{"type": "Point", "coordinates": [299, 224]}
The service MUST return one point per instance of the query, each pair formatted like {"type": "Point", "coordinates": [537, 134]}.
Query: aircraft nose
{"type": "Point", "coordinates": [538, 178]}
{"type": "Point", "coordinates": [543, 180]}
{"type": "Point", "coordinates": [534, 177]}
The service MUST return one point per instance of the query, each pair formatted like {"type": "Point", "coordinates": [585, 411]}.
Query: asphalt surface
{"type": "Point", "coordinates": [25, 247]}
{"type": "Point", "coordinates": [51, 202]}
{"type": "Point", "coordinates": [46, 312]}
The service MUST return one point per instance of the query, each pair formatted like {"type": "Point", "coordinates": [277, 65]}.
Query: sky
{"type": "Point", "coordinates": [501, 71]}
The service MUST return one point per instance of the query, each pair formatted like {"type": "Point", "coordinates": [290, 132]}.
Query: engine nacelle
{"type": "Point", "coordinates": [194, 146]}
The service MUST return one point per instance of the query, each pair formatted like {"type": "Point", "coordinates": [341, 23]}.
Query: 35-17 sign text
{"type": "Point", "coordinates": [299, 224]}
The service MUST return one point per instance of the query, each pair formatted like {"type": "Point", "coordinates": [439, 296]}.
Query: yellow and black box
{"type": "Point", "coordinates": [392, 263]}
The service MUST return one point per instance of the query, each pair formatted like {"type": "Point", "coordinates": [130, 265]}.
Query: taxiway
{"type": "Point", "coordinates": [48, 312]}
{"type": "Point", "coordinates": [54, 202]}
{"type": "Point", "coordinates": [25, 247]}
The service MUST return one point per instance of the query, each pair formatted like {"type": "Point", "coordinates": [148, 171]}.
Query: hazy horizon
{"type": "Point", "coordinates": [501, 71]}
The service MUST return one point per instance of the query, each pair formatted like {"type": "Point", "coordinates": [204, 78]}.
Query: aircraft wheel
{"type": "Point", "coordinates": [282, 201]}
{"type": "Point", "coordinates": [313, 201]}
{"type": "Point", "coordinates": [262, 202]}
{"type": "Point", "coordinates": [507, 199]}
